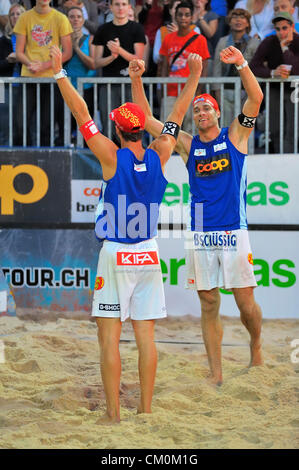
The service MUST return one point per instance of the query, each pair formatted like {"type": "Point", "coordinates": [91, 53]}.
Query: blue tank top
{"type": "Point", "coordinates": [75, 67]}
{"type": "Point", "coordinates": [128, 208]}
{"type": "Point", "coordinates": [218, 180]}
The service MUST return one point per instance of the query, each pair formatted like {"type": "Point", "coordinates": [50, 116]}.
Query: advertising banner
{"type": "Point", "coordinates": [35, 186]}
{"type": "Point", "coordinates": [272, 192]}
{"type": "Point", "coordinates": [276, 262]}
{"type": "Point", "coordinates": [85, 196]}
{"type": "Point", "coordinates": [85, 186]}
{"type": "Point", "coordinates": [56, 269]}
{"type": "Point", "coordinates": [7, 301]}
{"type": "Point", "coordinates": [51, 269]}
{"type": "Point", "coordinates": [272, 189]}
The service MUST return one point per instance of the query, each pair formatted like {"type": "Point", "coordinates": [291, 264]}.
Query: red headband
{"type": "Point", "coordinates": [206, 98]}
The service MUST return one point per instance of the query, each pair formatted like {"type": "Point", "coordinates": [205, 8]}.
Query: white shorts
{"type": "Point", "coordinates": [219, 259]}
{"type": "Point", "coordinates": [129, 282]}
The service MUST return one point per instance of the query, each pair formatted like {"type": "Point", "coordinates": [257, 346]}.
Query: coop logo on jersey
{"type": "Point", "coordinates": [43, 38]}
{"type": "Point", "coordinates": [99, 283]}
{"type": "Point", "coordinates": [136, 259]}
{"type": "Point", "coordinates": [212, 166]}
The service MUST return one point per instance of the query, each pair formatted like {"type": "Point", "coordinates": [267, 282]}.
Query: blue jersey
{"type": "Point", "coordinates": [128, 209]}
{"type": "Point", "coordinates": [218, 180]}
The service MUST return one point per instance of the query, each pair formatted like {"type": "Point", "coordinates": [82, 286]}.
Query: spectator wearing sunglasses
{"type": "Point", "coordinates": [277, 57]}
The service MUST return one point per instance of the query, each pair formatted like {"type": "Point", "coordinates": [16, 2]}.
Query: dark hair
{"type": "Point", "coordinates": [276, 20]}
{"type": "Point", "coordinates": [131, 136]}
{"type": "Point", "coordinates": [238, 12]}
{"type": "Point", "coordinates": [184, 4]}
{"type": "Point", "coordinates": [75, 8]}
{"type": "Point", "coordinates": [111, 1]}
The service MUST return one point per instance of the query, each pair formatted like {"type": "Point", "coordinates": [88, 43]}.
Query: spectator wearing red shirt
{"type": "Point", "coordinates": [171, 46]}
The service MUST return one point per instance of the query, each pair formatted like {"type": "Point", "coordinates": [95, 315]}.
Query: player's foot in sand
{"type": "Point", "coordinates": [256, 354]}
{"type": "Point", "coordinates": [140, 410]}
{"type": "Point", "coordinates": [214, 381]}
{"type": "Point", "coordinates": [108, 420]}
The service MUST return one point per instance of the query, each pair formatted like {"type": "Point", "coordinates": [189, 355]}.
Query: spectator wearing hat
{"type": "Point", "coordinates": [287, 5]}
{"type": "Point", "coordinates": [276, 57]}
{"type": "Point", "coordinates": [238, 20]}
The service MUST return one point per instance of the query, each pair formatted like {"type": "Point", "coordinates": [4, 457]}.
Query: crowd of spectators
{"type": "Point", "coordinates": [100, 37]}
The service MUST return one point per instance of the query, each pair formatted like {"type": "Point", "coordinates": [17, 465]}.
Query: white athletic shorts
{"type": "Point", "coordinates": [129, 282]}
{"type": "Point", "coordinates": [219, 259]}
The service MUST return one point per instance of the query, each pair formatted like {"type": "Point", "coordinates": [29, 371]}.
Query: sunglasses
{"type": "Point", "coordinates": [282, 28]}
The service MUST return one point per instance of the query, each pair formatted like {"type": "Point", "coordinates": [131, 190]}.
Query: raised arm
{"type": "Point", "coordinates": [136, 70]}
{"type": "Point", "coordinates": [153, 125]}
{"type": "Point", "coordinates": [103, 148]}
{"type": "Point", "coordinates": [166, 142]}
{"type": "Point", "coordinates": [242, 126]}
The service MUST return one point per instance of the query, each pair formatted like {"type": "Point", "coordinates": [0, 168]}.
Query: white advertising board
{"type": "Point", "coordinates": [85, 197]}
{"type": "Point", "coordinates": [276, 261]}
{"type": "Point", "coordinates": [3, 301]}
{"type": "Point", "coordinates": [272, 189]}
{"type": "Point", "coordinates": [272, 192]}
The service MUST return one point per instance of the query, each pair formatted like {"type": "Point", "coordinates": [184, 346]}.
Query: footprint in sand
{"type": "Point", "coordinates": [14, 355]}
{"type": "Point", "coordinates": [246, 394]}
{"type": "Point", "coordinates": [25, 367]}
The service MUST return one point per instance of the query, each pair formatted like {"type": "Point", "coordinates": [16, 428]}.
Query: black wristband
{"type": "Point", "coordinates": [171, 128]}
{"type": "Point", "coordinates": [246, 121]}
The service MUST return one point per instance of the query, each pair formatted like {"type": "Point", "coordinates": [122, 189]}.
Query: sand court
{"type": "Point", "coordinates": [51, 393]}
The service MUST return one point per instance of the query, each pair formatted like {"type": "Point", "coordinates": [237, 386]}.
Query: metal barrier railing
{"type": "Point", "coordinates": [150, 83]}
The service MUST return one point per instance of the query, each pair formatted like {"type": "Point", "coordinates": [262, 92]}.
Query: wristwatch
{"type": "Point", "coordinates": [61, 74]}
{"type": "Point", "coordinates": [240, 67]}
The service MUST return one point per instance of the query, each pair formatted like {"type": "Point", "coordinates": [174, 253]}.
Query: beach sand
{"type": "Point", "coordinates": [51, 393]}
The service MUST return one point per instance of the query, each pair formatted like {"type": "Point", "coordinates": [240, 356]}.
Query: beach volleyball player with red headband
{"type": "Point", "coordinates": [218, 252]}
{"type": "Point", "coordinates": [129, 280]}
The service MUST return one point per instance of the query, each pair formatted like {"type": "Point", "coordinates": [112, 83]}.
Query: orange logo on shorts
{"type": "Point", "coordinates": [250, 259]}
{"type": "Point", "coordinates": [99, 284]}
{"type": "Point", "coordinates": [191, 281]}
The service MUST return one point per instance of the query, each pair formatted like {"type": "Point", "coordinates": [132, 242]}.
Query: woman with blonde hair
{"type": "Point", "coordinates": [9, 67]}
{"type": "Point", "coordinates": [261, 16]}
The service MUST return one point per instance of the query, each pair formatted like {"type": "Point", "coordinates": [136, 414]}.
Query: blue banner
{"type": "Point", "coordinates": [52, 269]}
